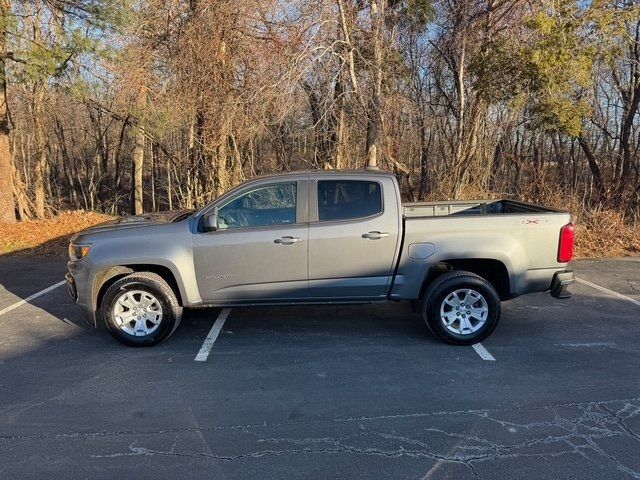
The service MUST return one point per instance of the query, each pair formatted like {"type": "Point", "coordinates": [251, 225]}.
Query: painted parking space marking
{"type": "Point", "coordinates": [203, 354]}
{"type": "Point", "coordinates": [31, 297]}
{"type": "Point", "coordinates": [610, 292]}
{"type": "Point", "coordinates": [483, 352]}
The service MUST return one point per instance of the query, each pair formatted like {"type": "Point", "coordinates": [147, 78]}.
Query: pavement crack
{"type": "Point", "coordinates": [473, 470]}
{"type": "Point", "coordinates": [467, 438]}
{"type": "Point", "coordinates": [621, 421]}
{"type": "Point", "coordinates": [364, 418]}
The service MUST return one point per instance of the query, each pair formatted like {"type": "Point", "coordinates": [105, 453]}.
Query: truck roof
{"type": "Point", "coordinates": [328, 172]}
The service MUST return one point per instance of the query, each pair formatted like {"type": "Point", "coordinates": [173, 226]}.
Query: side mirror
{"type": "Point", "coordinates": [211, 221]}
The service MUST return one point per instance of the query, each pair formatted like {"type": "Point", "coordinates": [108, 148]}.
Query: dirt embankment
{"type": "Point", "coordinates": [48, 237]}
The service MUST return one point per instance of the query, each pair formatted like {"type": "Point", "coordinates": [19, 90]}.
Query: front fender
{"type": "Point", "coordinates": [102, 277]}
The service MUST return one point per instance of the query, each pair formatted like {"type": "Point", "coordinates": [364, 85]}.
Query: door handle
{"type": "Point", "coordinates": [287, 240]}
{"type": "Point", "coordinates": [375, 235]}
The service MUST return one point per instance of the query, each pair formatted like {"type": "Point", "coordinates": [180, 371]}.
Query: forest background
{"type": "Point", "coordinates": [115, 107]}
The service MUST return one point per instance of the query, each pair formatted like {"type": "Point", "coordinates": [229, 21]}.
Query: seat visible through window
{"type": "Point", "coordinates": [345, 199]}
{"type": "Point", "coordinates": [270, 205]}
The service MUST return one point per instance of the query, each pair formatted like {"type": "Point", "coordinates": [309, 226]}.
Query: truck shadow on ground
{"type": "Point", "coordinates": [22, 274]}
{"type": "Point", "coordinates": [26, 272]}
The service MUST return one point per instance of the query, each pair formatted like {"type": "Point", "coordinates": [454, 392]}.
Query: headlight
{"type": "Point", "coordinates": [78, 252]}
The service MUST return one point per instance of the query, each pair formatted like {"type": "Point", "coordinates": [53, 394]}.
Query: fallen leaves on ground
{"type": "Point", "coordinates": [48, 237]}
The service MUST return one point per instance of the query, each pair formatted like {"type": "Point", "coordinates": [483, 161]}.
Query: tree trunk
{"type": "Point", "coordinates": [22, 201]}
{"type": "Point", "coordinates": [340, 139]}
{"type": "Point", "coordinates": [460, 132]}
{"type": "Point", "coordinates": [374, 125]}
{"type": "Point", "coordinates": [138, 156]}
{"type": "Point", "coordinates": [424, 158]}
{"type": "Point", "coordinates": [117, 170]}
{"type": "Point", "coordinates": [152, 169]}
{"type": "Point", "coordinates": [237, 173]}
{"type": "Point", "coordinates": [138, 163]}
{"type": "Point", "coordinates": [40, 169]}
{"type": "Point", "coordinates": [626, 149]}
{"type": "Point", "coordinates": [66, 161]}
{"type": "Point", "coordinates": [169, 189]}
{"type": "Point", "coordinates": [338, 135]}
{"type": "Point", "coordinates": [593, 165]}
{"type": "Point", "coordinates": [318, 143]}
{"type": "Point", "coordinates": [7, 206]}
{"type": "Point", "coordinates": [221, 179]}
{"type": "Point", "coordinates": [195, 155]}
{"type": "Point", "coordinates": [350, 51]}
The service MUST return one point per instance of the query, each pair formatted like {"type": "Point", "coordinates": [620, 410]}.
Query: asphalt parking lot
{"type": "Point", "coordinates": [323, 392]}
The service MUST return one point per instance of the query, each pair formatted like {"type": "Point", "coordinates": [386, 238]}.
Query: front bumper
{"type": "Point", "coordinates": [78, 286]}
{"type": "Point", "coordinates": [560, 282]}
{"type": "Point", "coordinates": [71, 287]}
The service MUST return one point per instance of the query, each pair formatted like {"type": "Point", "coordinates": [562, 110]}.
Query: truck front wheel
{"type": "Point", "coordinates": [141, 309]}
{"type": "Point", "coordinates": [461, 308]}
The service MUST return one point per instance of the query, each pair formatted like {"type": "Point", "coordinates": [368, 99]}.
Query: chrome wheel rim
{"type": "Point", "coordinates": [464, 311]}
{"type": "Point", "coordinates": [137, 312]}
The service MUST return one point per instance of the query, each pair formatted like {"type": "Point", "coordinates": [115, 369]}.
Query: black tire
{"type": "Point", "coordinates": [443, 286]}
{"type": "Point", "coordinates": [156, 286]}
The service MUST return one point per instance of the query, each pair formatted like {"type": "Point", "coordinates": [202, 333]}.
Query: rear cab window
{"type": "Point", "coordinates": [348, 199]}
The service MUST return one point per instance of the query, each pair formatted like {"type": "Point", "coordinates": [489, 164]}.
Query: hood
{"type": "Point", "coordinates": [136, 221]}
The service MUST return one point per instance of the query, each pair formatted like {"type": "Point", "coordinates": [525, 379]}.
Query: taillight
{"type": "Point", "coordinates": [567, 240]}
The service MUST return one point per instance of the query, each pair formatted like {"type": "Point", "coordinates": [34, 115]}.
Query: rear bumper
{"type": "Point", "coordinates": [560, 282]}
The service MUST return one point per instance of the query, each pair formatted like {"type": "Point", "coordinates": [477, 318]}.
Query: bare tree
{"type": "Point", "coordinates": [459, 98]}
{"type": "Point", "coordinates": [7, 209]}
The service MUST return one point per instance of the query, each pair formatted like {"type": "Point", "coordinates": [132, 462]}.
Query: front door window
{"type": "Point", "coordinates": [269, 205]}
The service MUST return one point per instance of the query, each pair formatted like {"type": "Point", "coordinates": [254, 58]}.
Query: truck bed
{"type": "Point", "coordinates": [471, 207]}
{"type": "Point", "coordinates": [520, 236]}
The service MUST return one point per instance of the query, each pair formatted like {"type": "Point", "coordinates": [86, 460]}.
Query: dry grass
{"type": "Point", "coordinates": [46, 237]}
{"type": "Point", "coordinates": [605, 234]}
{"type": "Point", "coordinates": [601, 233]}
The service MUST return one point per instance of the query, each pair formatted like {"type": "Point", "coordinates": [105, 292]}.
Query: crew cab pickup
{"type": "Point", "coordinates": [321, 237]}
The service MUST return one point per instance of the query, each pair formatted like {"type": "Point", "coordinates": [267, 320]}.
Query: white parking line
{"type": "Point", "coordinates": [610, 292]}
{"type": "Point", "coordinates": [483, 352]}
{"type": "Point", "coordinates": [31, 297]}
{"type": "Point", "coordinates": [213, 334]}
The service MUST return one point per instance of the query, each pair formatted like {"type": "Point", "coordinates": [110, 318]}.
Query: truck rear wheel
{"type": "Point", "coordinates": [461, 308]}
{"type": "Point", "coordinates": [141, 310]}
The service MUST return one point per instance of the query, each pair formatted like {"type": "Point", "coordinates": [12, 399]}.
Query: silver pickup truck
{"type": "Point", "coordinates": [321, 237]}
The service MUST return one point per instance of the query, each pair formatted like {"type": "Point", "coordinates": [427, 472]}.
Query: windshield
{"type": "Point", "coordinates": [184, 215]}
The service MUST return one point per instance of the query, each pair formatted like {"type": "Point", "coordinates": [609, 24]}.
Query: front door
{"type": "Point", "coordinates": [259, 251]}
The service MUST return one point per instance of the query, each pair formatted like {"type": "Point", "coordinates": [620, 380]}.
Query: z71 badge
{"type": "Point", "coordinates": [533, 221]}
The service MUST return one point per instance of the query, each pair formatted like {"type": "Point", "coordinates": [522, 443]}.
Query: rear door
{"type": "Point", "coordinates": [353, 236]}
{"type": "Point", "coordinates": [259, 252]}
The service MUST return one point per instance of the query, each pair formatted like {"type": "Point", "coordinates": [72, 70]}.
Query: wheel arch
{"type": "Point", "coordinates": [492, 270]}
{"type": "Point", "coordinates": [105, 278]}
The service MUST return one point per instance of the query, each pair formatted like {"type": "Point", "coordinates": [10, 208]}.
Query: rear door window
{"type": "Point", "coordinates": [345, 199]}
